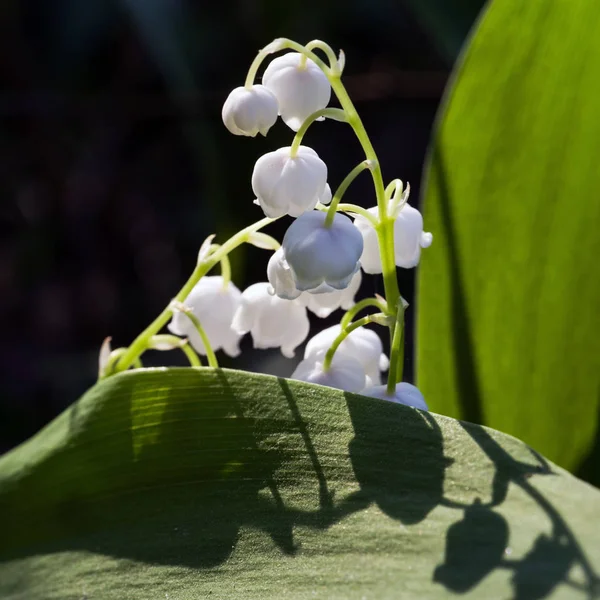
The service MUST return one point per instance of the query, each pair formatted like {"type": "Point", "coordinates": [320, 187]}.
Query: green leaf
{"type": "Point", "coordinates": [509, 292]}
{"type": "Point", "coordinates": [194, 483]}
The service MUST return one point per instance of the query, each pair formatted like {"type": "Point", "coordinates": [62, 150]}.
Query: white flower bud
{"type": "Point", "coordinates": [409, 238]}
{"type": "Point", "coordinates": [280, 277]}
{"type": "Point", "coordinates": [363, 345]}
{"type": "Point", "coordinates": [406, 394]}
{"type": "Point", "coordinates": [322, 255]}
{"type": "Point", "coordinates": [345, 372]}
{"type": "Point", "coordinates": [289, 185]}
{"type": "Point", "coordinates": [214, 305]}
{"type": "Point", "coordinates": [248, 111]}
{"type": "Point", "coordinates": [300, 89]}
{"type": "Point", "coordinates": [324, 304]}
{"type": "Point", "coordinates": [272, 322]}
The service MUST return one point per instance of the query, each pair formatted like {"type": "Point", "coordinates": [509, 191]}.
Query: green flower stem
{"type": "Point", "coordinates": [114, 357]}
{"type": "Point", "coordinates": [336, 114]}
{"type": "Point", "coordinates": [326, 48]}
{"type": "Point", "coordinates": [175, 342]}
{"type": "Point", "coordinates": [358, 210]}
{"type": "Point", "coordinates": [192, 357]}
{"type": "Point", "coordinates": [140, 343]}
{"type": "Point", "coordinates": [361, 305]}
{"type": "Point", "coordinates": [225, 270]}
{"type": "Point", "coordinates": [339, 193]}
{"type": "Point", "coordinates": [342, 336]}
{"type": "Point", "coordinates": [210, 353]}
{"type": "Point", "coordinates": [276, 46]}
{"type": "Point", "coordinates": [392, 188]}
{"type": "Point", "coordinates": [397, 351]}
{"type": "Point", "coordinates": [385, 228]}
{"type": "Point", "coordinates": [263, 241]}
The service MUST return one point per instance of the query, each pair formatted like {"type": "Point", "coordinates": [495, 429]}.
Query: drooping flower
{"type": "Point", "coordinates": [286, 184]}
{"type": "Point", "coordinates": [280, 277]}
{"type": "Point", "coordinates": [324, 304]}
{"type": "Point", "coordinates": [363, 345]}
{"type": "Point", "coordinates": [322, 259]}
{"type": "Point", "coordinates": [214, 304]}
{"type": "Point", "coordinates": [405, 393]}
{"type": "Point", "coordinates": [248, 111]}
{"type": "Point", "coordinates": [271, 321]}
{"type": "Point", "coordinates": [409, 238]}
{"type": "Point", "coordinates": [326, 196]}
{"type": "Point", "coordinates": [345, 372]}
{"type": "Point", "coordinates": [299, 85]}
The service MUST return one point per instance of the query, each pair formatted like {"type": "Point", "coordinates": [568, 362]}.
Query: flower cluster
{"type": "Point", "coordinates": [317, 267]}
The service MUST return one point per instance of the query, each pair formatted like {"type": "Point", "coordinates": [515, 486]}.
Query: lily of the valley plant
{"type": "Point", "coordinates": [317, 266]}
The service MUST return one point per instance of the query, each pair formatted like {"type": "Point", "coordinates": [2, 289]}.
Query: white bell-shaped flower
{"type": "Point", "coordinates": [324, 304]}
{"type": "Point", "coordinates": [301, 88]}
{"type": "Point", "coordinates": [280, 277]}
{"type": "Point", "coordinates": [214, 305]}
{"type": "Point", "coordinates": [326, 197]}
{"type": "Point", "coordinates": [345, 372]}
{"type": "Point", "coordinates": [405, 393]}
{"type": "Point", "coordinates": [286, 184]}
{"type": "Point", "coordinates": [409, 238]}
{"type": "Point", "coordinates": [322, 259]}
{"type": "Point", "coordinates": [363, 345]}
{"type": "Point", "coordinates": [248, 111]}
{"type": "Point", "coordinates": [271, 321]}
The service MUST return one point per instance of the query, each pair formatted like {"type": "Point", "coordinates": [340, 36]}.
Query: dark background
{"type": "Point", "coordinates": [115, 165]}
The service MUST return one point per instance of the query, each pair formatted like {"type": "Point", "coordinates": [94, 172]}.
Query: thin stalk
{"type": "Point", "coordinates": [333, 113]}
{"type": "Point", "coordinates": [326, 48]}
{"type": "Point", "coordinates": [339, 193]}
{"type": "Point", "coordinates": [341, 337]}
{"type": "Point", "coordinates": [210, 354]}
{"type": "Point", "coordinates": [397, 352]}
{"type": "Point", "coordinates": [225, 270]}
{"type": "Point", "coordinates": [358, 307]}
{"type": "Point", "coordinates": [358, 210]}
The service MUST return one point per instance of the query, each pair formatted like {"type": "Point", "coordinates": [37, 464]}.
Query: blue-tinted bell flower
{"type": "Point", "coordinates": [405, 393]}
{"type": "Point", "coordinates": [345, 372]}
{"type": "Point", "coordinates": [322, 259]}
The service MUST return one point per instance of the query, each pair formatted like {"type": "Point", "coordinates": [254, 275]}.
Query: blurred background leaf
{"type": "Point", "coordinates": [508, 320]}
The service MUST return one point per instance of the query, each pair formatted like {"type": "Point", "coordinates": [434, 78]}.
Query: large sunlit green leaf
{"type": "Point", "coordinates": [194, 483]}
{"type": "Point", "coordinates": [509, 293]}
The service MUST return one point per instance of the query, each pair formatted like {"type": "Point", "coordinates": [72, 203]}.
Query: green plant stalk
{"type": "Point", "coordinates": [357, 210]}
{"type": "Point", "coordinates": [210, 353]}
{"type": "Point", "coordinates": [361, 305]}
{"type": "Point", "coordinates": [339, 193]}
{"type": "Point", "coordinates": [335, 114]}
{"type": "Point", "coordinates": [397, 352]}
{"type": "Point", "coordinates": [191, 355]}
{"type": "Point", "coordinates": [225, 270]}
{"type": "Point", "coordinates": [341, 337]}
{"type": "Point", "coordinates": [326, 48]}
{"type": "Point", "coordinates": [140, 343]}
{"type": "Point", "coordinates": [176, 343]}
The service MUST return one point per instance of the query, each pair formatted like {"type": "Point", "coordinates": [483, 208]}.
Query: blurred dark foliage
{"type": "Point", "coordinates": [115, 164]}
